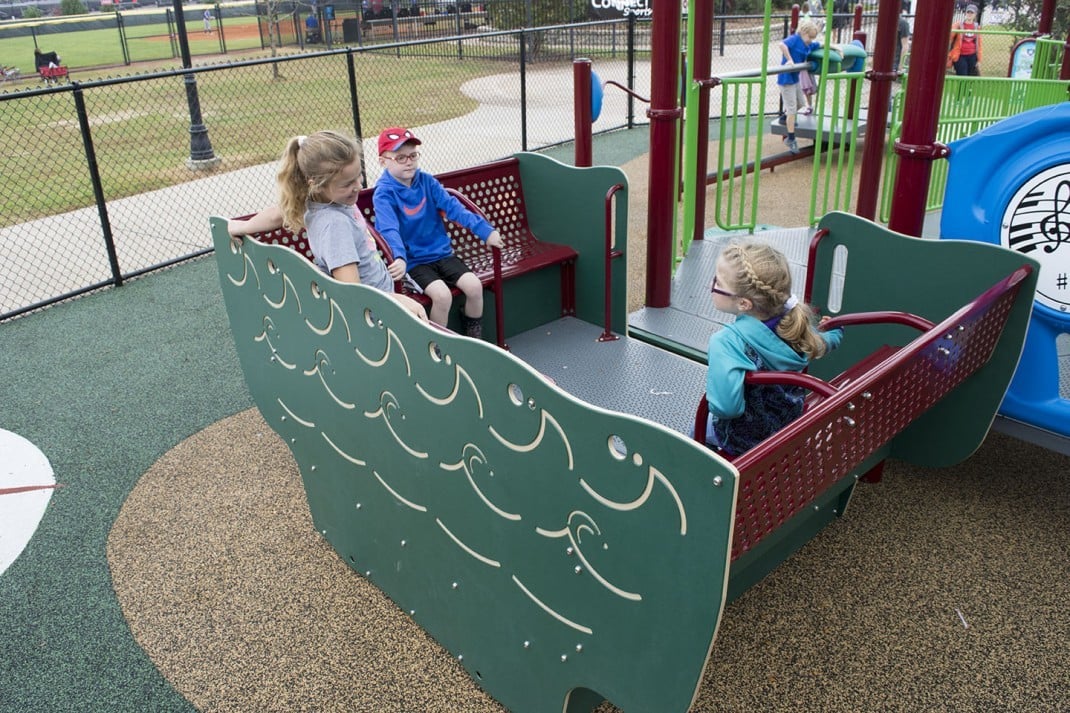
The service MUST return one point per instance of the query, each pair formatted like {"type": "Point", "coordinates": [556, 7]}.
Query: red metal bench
{"type": "Point", "coordinates": [850, 420]}
{"type": "Point", "coordinates": [495, 191]}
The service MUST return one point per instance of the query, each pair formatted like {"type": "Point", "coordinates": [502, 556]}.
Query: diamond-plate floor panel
{"type": "Point", "coordinates": [625, 375]}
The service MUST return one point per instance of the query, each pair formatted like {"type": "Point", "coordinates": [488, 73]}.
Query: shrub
{"type": "Point", "coordinates": [72, 7]}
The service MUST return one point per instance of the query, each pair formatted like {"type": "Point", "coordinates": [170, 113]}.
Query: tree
{"type": "Point", "coordinates": [1025, 16]}
{"type": "Point", "coordinates": [515, 14]}
{"type": "Point", "coordinates": [31, 11]}
{"type": "Point", "coordinates": [272, 10]}
{"type": "Point", "coordinates": [72, 7]}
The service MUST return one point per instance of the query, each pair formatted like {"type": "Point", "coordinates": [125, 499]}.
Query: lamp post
{"type": "Point", "coordinates": [201, 156]}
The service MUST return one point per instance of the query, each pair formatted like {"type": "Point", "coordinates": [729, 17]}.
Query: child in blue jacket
{"type": "Point", "coordinates": [409, 205]}
{"type": "Point", "coordinates": [794, 50]}
{"type": "Point", "coordinates": [773, 331]}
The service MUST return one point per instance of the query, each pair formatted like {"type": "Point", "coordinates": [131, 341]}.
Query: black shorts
{"type": "Point", "coordinates": [448, 269]}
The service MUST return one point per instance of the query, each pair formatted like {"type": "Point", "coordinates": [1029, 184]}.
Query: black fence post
{"type": "Point", "coordinates": [355, 106]}
{"type": "Point", "coordinates": [98, 187]}
{"type": "Point", "coordinates": [219, 29]}
{"type": "Point", "coordinates": [172, 33]}
{"type": "Point", "coordinates": [259, 25]}
{"type": "Point", "coordinates": [523, 91]}
{"type": "Point", "coordinates": [571, 29]}
{"type": "Point", "coordinates": [631, 70]}
{"type": "Point", "coordinates": [122, 38]}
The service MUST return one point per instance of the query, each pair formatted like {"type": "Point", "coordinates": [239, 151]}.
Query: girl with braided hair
{"type": "Point", "coordinates": [773, 331]}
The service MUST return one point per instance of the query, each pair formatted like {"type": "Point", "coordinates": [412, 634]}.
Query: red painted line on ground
{"type": "Point", "coordinates": [28, 488]}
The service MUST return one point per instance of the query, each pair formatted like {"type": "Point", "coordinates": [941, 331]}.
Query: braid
{"type": "Point", "coordinates": [762, 275]}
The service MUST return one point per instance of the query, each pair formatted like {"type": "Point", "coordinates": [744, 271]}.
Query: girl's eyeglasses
{"type": "Point", "coordinates": [717, 291]}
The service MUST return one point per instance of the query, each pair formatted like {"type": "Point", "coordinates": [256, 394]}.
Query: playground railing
{"type": "Point", "coordinates": [838, 106]}
{"type": "Point", "coordinates": [968, 105]}
{"type": "Point", "coordinates": [742, 134]}
{"type": "Point", "coordinates": [1048, 58]}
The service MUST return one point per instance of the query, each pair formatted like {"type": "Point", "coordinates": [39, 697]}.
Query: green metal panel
{"type": "Point", "coordinates": [567, 205]}
{"type": "Point", "coordinates": [1048, 60]}
{"type": "Point", "coordinates": [889, 271]}
{"type": "Point", "coordinates": [550, 545]}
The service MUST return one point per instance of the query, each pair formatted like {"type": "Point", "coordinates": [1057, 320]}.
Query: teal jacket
{"type": "Point", "coordinates": [742, 415]}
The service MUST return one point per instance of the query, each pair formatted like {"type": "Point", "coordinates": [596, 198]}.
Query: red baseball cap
{"type": "Point", "coordinates": [394, 138]}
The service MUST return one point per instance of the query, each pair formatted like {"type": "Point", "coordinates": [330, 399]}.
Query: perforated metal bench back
{"type": "Point", "coordinates": [497, 190]}
{"type": "Point", "coordinates": [283, 237]}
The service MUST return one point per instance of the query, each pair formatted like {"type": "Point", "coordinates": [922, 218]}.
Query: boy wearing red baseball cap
{"type": "Point", "coordinates": [409, 205]}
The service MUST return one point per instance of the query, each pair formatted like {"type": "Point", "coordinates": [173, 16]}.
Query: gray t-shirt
{"type": "Point", "coordinates": [337, 239]}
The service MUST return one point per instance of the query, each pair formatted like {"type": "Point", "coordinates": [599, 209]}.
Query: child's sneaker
{"type": "Point", "coordinates": [793, 146]}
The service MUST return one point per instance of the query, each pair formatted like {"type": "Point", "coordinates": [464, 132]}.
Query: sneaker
{"type": "Point", "coordinates": [793, 146]}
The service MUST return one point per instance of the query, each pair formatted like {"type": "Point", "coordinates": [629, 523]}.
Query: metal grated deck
{"type": "Point", "coordinates": [626, 375]}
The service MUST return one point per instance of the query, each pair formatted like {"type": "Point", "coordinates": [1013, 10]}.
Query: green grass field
{"type": "Point", "coordinates": [141, 130]}
{"type": "Point", "coordinates": [94, 48]}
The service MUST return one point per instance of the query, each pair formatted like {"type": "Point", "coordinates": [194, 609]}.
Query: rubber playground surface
{"type": "Point", "coordinates": [176, 568]}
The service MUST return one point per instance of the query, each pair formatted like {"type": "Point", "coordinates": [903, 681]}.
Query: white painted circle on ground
{"type": "Point", "coordinates": [22, 465]}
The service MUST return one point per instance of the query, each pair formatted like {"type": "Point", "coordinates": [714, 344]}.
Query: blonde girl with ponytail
{"type": "Point", "coordinates": [773, 331]}
{"type": "Point", "coordinates": [319, 180]}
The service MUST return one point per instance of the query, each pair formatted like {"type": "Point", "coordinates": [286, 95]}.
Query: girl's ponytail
{"type": "Point", "coordinates": [293, 187]}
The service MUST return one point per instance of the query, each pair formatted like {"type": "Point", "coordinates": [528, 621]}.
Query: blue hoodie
{"type": "Point", "coordinates": [410, 218]}
{"type": "Point", "coordinates": [743, 415]}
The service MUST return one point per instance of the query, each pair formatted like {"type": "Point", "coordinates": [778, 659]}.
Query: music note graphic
{"type": "Point", "coordinates": [1056, 227]}
{"type": "Point", "coordinates": [1036, 222]}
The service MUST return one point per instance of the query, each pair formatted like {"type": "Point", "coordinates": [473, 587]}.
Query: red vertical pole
{"type": "Point", "coordinates": [858, 34]}
{"type": "Point", "coordinates": [1047, 15]}
{"type": "Point", "coordinates": [664, 116]}
{"type": "Point", "coordinates": [917, 148]}
{"type": "Point", "coordinates": [1064, 71]}
{"type": "Point", "coordinates": [581, 110]}
{"type": "Point", "coordinates": [702, 13]}
{"type": "Point", "coordinates": [881, 78]}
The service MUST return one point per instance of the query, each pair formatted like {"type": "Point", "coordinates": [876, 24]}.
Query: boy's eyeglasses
{"type": "Point", "coordinates": [715, 290]}
{"type": "Point", "coordinates": [405, 157]}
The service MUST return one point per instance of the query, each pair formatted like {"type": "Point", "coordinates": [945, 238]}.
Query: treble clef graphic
{"type": "Point", "coordinates": [1056, 227]}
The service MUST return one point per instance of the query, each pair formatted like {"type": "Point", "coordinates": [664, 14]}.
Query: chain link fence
{"type": "Point", "coordinates": [99, 184]}
{"type": "Point", "coordinates": [151, 34]}
{"type": "Point", "coordinates": [98, 181]}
